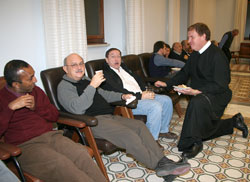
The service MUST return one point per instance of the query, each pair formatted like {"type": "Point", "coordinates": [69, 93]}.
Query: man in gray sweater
{"type": "Point", "coordinates": [80, 95]}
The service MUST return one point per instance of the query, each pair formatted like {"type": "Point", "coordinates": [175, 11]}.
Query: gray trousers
{"type": "Point", "coordinates": [53, 157]}
{"type": "Point", "coordinates": [129, 134]}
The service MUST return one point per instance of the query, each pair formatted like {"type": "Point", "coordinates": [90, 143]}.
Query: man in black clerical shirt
{"type": "Point", "coordinates": [209, 74]}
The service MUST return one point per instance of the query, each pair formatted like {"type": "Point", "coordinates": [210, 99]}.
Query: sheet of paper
{"type": "Point", "coordinates": [131, 99]}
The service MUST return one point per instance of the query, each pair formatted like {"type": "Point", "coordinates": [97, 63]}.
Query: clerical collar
{"type": "Point", "coordinates": [205, 47]}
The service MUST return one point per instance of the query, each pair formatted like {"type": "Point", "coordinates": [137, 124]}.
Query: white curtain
{"type": "Point", "coordinates": [134, 13]}
{"type": "Point", "coordinates": [65, 30]}
{"type": "Point", "coordinates": [240, 15]}
{"type": "Point", "coordinates": [173, 21]}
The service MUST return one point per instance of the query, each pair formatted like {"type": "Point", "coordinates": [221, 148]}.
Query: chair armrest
{"type": "Point", "coordinates": [4, 154]}
{"type": "Point", "coordinates": [71, 122]}
{"type": "Point", "coordinates": [11, 149]}
{"type": "Point", "coordinates": [131, 105]}
{"type": "Point", "coordinates": [88, 120]}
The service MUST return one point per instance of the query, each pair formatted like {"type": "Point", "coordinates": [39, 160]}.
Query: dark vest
{"type": "Point", "coordinates": [157, 71]}
{"type": "Point", "coordinates": [229, 40]}
{"type": "Point", "coordinates": [227, 45]}
{"type": "Point", "coordinates": [99, 106]}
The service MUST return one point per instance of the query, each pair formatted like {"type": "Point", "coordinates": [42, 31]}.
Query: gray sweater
{"type": "Point", "coordinates": [72, 102]}
{"type": "Point", "coordinates": [160, 60]}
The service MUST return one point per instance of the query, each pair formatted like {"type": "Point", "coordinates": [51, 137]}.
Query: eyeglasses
{"type": "Point", "coordinates": [75, 65]}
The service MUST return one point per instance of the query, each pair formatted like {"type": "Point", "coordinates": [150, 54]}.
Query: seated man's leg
{"type": "Point", "coordinates": [6, 175]}
{"type": "Point", "coordinates": [134, 136]}
{"type": "Point", "coordinates": [167, 111]}
{"type": "Point", "coordinates": [52, 159]}
{"type": "Point", "coordinates": [153, 110]}
{"type": "Point", "coordinates": [131, 135]}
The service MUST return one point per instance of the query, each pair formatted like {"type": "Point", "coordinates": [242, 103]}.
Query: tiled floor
{"type": "Point", "coordinates": [224, 159]}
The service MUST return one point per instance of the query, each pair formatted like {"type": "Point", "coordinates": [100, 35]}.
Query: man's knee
{"type": "Point", "coordinates": [198, 101]}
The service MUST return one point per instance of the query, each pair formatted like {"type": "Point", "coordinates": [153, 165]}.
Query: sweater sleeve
{"type": "Point", "coordinates": [161, 61]}
{"type": "Point", "coordinates": [110, 96]}
{"type": "Point", "coordinates": [6, 115]}
{"type": "Point", "coordinates": [71, 101]}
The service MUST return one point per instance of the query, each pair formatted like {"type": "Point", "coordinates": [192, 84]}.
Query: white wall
{"type": "Point", "coordinates": [155, 26]}
{"type": "Point", "coordinates": [224, 18]}
{"type": "Point", "coordinates": [217, 14]}
{"type": "Point", "coordinates": [21, 34]}
{"type": "Point", "coordinates": [184, 19]}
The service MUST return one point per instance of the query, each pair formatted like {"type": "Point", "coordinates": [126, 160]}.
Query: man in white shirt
{"type": "Point", "coordinates": [158, 108]}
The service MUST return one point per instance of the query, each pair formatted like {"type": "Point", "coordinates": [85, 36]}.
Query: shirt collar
{"type": "Point", "coordinates": [116, 70]}
{"type": "Point", "coordinates": [205, 47]}
{"type": "Point", "coordinates": [15, 93]}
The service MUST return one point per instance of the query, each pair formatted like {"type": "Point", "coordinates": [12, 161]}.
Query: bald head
{"type": "Point", "coordinates": [74, 66]}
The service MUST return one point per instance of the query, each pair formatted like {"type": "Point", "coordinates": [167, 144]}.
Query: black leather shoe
{"type": "Point", "coordinates": [240, 124]}
{"type": "Point", "coordinates": [196, 148]}
{"type": "Point", "coordinates": [167, 167]}
{"type": "Point", "coordinates": [169, 178]}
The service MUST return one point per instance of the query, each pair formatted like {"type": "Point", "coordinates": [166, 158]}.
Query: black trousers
{"type": "Point", "coordinates": [200, 123]}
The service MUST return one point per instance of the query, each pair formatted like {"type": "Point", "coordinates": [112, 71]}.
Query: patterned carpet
{"type": "Point", "coordinates": [224, 159]}
{"type": "Point", "coordinates": [240, 85]}
{"type": "Point", "coordinates": [240, 67]}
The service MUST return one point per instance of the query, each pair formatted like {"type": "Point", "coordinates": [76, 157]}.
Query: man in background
{"type": "Point", "coordinates": [160, 65]}
{"type": "Point", "coordinates": [176, 52]}
{"type": "Point", "coordinates": [226, 42]}
{"type": "Point", "coordinates": [186, 49]}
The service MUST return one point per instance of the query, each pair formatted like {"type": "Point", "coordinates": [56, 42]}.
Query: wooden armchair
{"type": "Point", "coordinates": [51, 78]}
{"type": "Point", "coordinates": [9, 153]}
{"type": "Point", "coordinates": [244, 52]}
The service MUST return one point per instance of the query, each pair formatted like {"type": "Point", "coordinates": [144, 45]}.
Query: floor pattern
{"type": "Point", "coordinates": [240, 85]}
{"type": "Point", "coordinates": [240, 67]}
{"type": "Point", "coordinates": [224, 159]}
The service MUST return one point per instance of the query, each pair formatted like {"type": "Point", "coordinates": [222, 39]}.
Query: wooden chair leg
{"type": "Point", "coordinates": [177, 107]}
{"type": "Point", "coordinates": [91, 141]}
{"type": "Point", "coordinates": [124, 111]}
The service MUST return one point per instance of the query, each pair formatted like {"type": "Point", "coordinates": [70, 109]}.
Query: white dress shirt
{"type": "Point", "coordinates": [128, 81]}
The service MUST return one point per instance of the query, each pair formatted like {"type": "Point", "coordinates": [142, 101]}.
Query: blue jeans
{"type": "Point", "coordinates": [159, 113]}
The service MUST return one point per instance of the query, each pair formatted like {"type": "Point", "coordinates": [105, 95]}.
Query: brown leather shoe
{"type": "Point", "coordinates": [168, 135]}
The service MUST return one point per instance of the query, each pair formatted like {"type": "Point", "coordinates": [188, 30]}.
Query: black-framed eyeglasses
{"type": "Point", "coordinates": [75, 65]}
